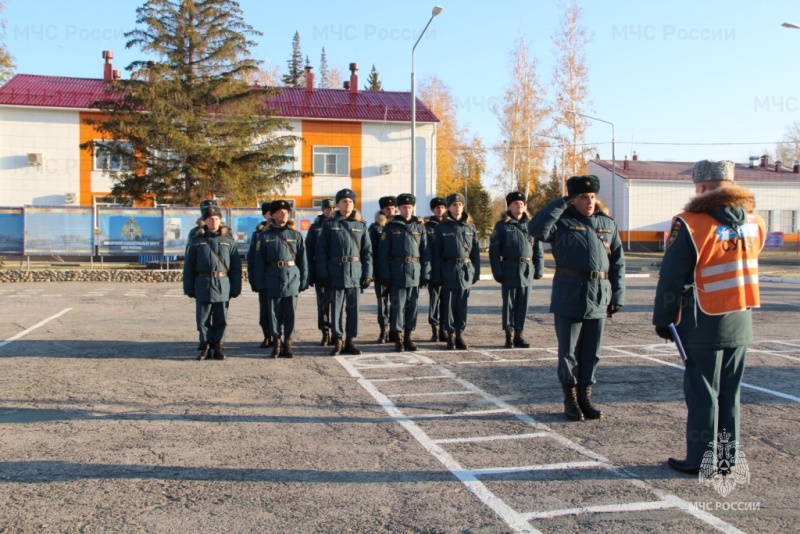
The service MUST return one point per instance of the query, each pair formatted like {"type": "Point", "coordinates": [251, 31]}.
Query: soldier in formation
{"type": "Point", "coordinates": [256, 284]}
{"type": "Point", "coordinates": [382, 217]}
{"type": "Point", "coordinates": [438, 210]}
{"type": "Point", "coordinates": [323, 304]}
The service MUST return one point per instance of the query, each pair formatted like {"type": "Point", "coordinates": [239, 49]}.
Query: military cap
{"type": "Point", "coordinates": [211, 210]}
{"type": "Point", "coordinates": [327, 203]}
{"type": "Point", "coordinates": [207, 202]}
{"type": "Point", "coordinates": [438, 201]}
{"type": "Point", "coordinates": [265, 207]}
{"type": "Point", "coordinates": [385, 202]}
{"type": "Point", "coordinates": [708, 170]}
{"type": "Point", "coordinates": [577, 185]}
{"type": "Point", "coordinates": [279, 205]}
{"type": "Point", "coordinates": [345, 193]}
{"type": "Point", "coordinates": [455, 197]}
{"type": "Point", "coordinates": [406, 198]}
{"type": "Point", "coordinates": [513, 197]}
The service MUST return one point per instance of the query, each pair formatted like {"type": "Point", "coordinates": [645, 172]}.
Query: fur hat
{"type": "Point", "coordinates": [265, 207]}
{"type": "Point", "coordinates": [327, 203]}
{"type": "Point", "coordinates": [207, 202]}
{"type": "Point", "coordinates": [438, 201]}
{"type": "Point", "coordinates": [385, 202]}
{"type": "Point", "coordinates": [577, 185]}
{"type": "Point", "coordinates": [455, 197]}
{"type": "Point", "coordinates": [276, 205]}
{"type": "Point", "coordinates": [708, 170]}
{"type": "Point", "coordinates": [406, 198]}
{"type": "Point", "coordinates": [513, 197]}
{"type": "Point", "coordinates": [346, 193]}
{"type": "Point", "coordinates": [210, 211]}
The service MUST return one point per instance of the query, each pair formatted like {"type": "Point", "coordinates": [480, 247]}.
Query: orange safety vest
{"type": "Point", "coordinates": [726, 272]}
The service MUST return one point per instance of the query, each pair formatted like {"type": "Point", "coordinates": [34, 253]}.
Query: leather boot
{"type": "Point", "coordinates": [508, 344]}
{"type": "Point", "coordinates": [350, 348]}
{"type": "Point", "coordinates": [460, 343]}
{"type": "Point", "coordinates": [219, 351]}
{"type": "Point", "coordinates": [571, 408]}
{"type": "Point", "coordinates": [434, 333]}
{"type": "Point", "coordinates": [407, 343]}
{"type": "Point", "coordinates": [326, 338]}
{"type": "Point", "coordinates": [442, 334]}
{"type": "Point", "coordinates": [287, 351]}
{"type": "Point", "coordinates": [519, 342]}
{"type": "Point", "coordinates": [201, 346]}
{"type": "Point", "coordinates": [585, 402]}
{"type": "Point", "coordinates": [398, 345]}
{"type": "Point", "coordinates": [451, 341]}
{"type": "Point", "coordinates": [392, 336]}
{"type": "Point", "coordinates": [337, 344]}
{"type": "Point", "coordinates": [265, 344]}
{"type": "Point", "coordinates": [205, 351]}
{"type": "Point", "coordinates": [276, 348]}
{"type": "Point", "coordinates": [382, 336]}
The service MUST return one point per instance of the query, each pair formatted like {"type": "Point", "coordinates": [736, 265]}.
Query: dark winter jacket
{"type": "Point", "coordinates": [509, 246]}
{"type": "Point", "coordinates": [253, 280]}
{"type": "Point", "coordinates": [279, 247]}
{"type": "Point", "coordinates": [311, 246]}
{"type": "Point", "coordinates": [454, 241]}
{"type": "Point", "coordinates": [403, 239]}
{"type": "Point", "coordinates": [344, 237]}
{"type": "Point", "coordinates": [209, 253]}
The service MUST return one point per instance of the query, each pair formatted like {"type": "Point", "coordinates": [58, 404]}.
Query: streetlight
{"type": "Point", "coordinates": [613, 160]}
{"type": "Point", "coordinates": [436, 11]}
{"type": "Point", "coordinates": [791, 25]}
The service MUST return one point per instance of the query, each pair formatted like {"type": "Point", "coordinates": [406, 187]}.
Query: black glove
{"type": "Point", "coordinates": [365, 283]}
{"type": "Point", "coordinates": [537, 276]}
{"type": "Point", "coordinates": [499, 279]}
{"type": "Point", "coordinates": [234, 295]}
{"type": "Point", "coordinates": [386, 282]}
{"type": "Point", "coordinates": [423, 282]}
{"type": "Point", "coordinates": [311, 284]}
{"type": "Point", "coordinates": [613, 308]}
{"type": "Point", "coordinates": [303, 288]}
{"type": "Point", "coordinates": [323, 283]}
{"type": "Point", "coordinates": [190, 295]}
{"type": "Point", "coordinates": [664, 333]}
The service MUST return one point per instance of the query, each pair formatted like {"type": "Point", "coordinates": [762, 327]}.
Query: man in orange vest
{"type": "Point", "coordinates": [707, 286]}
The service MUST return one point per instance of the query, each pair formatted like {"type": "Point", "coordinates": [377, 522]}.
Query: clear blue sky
{"type": "Point", "coordinates": [716, 73]}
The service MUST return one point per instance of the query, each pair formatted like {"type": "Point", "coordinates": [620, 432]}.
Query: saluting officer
{"type": "Point", "coordinates": [212, 275]}
{"type": "Point", "coordinates": [344, 265]}
{"type": "Point", "coordinates": [404, 266]}
{"type": "Point", "coordinates": [588, 286]}
{"type": "Point", "coordinates": [517, 260]}
{"type": "Point", "coordinates": [323, 304]}
{"type": "Point", "coordinates": [281, 265]}
{"type": "Point", "coordinates": [382, 217]}
{"type": "Point", "coordinates": [438, 209]}
{"type": "Point", "coordinates": [456, 266]}
{"type": "Point", "coordinates": [256, 282]}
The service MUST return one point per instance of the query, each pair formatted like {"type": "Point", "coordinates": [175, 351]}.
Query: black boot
{"type": "Point", "coordinates": [407, 343]}
{"type": "Point", "coordinates": [350, 348]}
{"type": "Point", "coordinates": [337, 344]}
{"type": "Point", "coordinates": [266, 343]}
{"type": "Point", "coordinates": [451, 341]}
{"type": "Point", "coordinates": [508, 344]}
{"type": "Point", "coordinates": [519, 342]}
{"type": "Point", "coordinates": [460, 343]}
{"type": "Point", "coordinates": [382, 336]}
{"type": "Point", "coordinates": [219, 351]}
{"type": "Point", "coordinates": [398, 345]}
{"type": "Point", "coordinates": [392, 336]}
{"type": "Point", "coordinates": [201, 346]}
{"type": "Point", "coordinates": [276, 348]}
{"type": "Point", "coordinates": [571, 408]}
{"type": "Point", "coordinates": [205, 351]}
{"type": "Point", "coordinates": [287, 351]}
{"type": "Point", "coordinates": [326, 338]}
{"type": "Point", "coordinates": [434, 333]}
{"type": "Point", "coordinates": [585, 402]}
{"type": "Point", "coordinates": [442, 334]}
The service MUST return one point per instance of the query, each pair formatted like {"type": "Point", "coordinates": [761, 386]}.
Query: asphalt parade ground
{"type": "Point", "coordinates": [109, 424]}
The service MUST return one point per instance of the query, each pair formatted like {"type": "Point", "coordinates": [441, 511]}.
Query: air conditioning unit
{"type": "Point", "coordinates": [385, 169]}
{"type": "Point", "coordinates": [34, 158]}
{"type": "Point", "coordinates": [70, 198]}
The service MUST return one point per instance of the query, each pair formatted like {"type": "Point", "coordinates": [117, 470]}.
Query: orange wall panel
{"type": "Point", "coordinates": [330, 133]}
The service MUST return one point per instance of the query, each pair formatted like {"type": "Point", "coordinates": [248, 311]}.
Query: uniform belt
{"type": "Point", "coordinates": [591, 275]}
{"type": "Point", "coordinates": [458, 261]}
{"type": "Point", "coordinates": [288, 263]}
{"type": "Point", "coordinates": [405, 259]}
{"type": "Point", "coordinates": [213, 274]}
{"type": "Point", "coordinates": [516, 260]}
{"type": "Point", "coordinates": [345, 259]}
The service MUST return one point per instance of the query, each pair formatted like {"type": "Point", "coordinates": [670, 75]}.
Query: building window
{"type": "Point", "coordinates": [288, 166]}
{"type": "Point", "coordinates": [767, 216]}
{"type": "Point", "coordinates": [788, 221]}
{"type": "Point", "coordinates": [105, 160]}
{"type": "Point", "coordinates": [332, 160]}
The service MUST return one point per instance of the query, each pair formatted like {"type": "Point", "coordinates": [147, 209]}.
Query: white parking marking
{"type": "Point", "coordinates": [602, 509]}
{"type": "Point", "coordinates": [429, 394]}
{"type": "Point", "coordinates": [34, 327]}
{"type": "Point", "coordinates": [496, 437]}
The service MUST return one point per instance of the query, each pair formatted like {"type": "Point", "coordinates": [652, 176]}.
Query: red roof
{"type": "Point", "coordinates": [337, 104]}
{"type": "Point", "coordinates": [682, 171]}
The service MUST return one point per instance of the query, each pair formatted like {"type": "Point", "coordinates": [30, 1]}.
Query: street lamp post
{"type": "Point", "coordinates": [613, 160]}
{"type": "Point", "coordinates": [436, 11]}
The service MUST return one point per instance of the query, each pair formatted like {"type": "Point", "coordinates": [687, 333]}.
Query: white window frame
{"type": "Point", "coordinates": [331, 158]}
{"type": "Point", "coordinates": [106, 161]}
{"type": "Point", "coordinates": [767, 216]}
{"type": "Point", "coordinates": [789, 221]}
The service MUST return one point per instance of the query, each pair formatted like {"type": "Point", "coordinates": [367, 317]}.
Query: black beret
{"type": "Point", "coordinates": [265, 207]}
{"type": "Point", "coordinates": [455, 197]}
{"type": "Point", "coordinates": [279, 205]}
{"type": "Point", "coordinates": [406, 198]}
{"type": "Point", "coordinates": [345, 193]}
{"type": "Point", "coordinates": [207, 202]}
{"type": "Point", "coordinates": [578, 185]}
{"type": "Point", "coordinates": [437, 201]}
{"type": "Point", "coordinates": [327, 203]}
{"type": "Point", "coordinates": [210, 211]}
{"type": "Point", "coordinates": [513, 197]}
{"type": "Point", "coordinates": [385, 202]}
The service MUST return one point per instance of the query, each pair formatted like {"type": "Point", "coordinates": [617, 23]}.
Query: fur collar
{"type": "Point", "coordinates": [729, 196]}
{"type": "Point", "coordinates": [223, 230]}
{"type": "Point", "coordinates": [290, 224]}
{"type": "Point", "coordinates": [354, 216]}
{"type": "Point", "coordinates": [507, 217]}
{"type": "Point", "coordinates": [400, 219]}
{"type": "Point", "coordinates": [380, 218]}
{"type": "Point", "coordinates": [465, 219]}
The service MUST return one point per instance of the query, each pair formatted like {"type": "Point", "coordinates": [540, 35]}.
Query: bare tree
{"type": "Point", "coordinates": [788, 151]}
{"type": "Point", "coordinates": [449, 140]}
{"type": "Point", "coordinates": [6, 59]}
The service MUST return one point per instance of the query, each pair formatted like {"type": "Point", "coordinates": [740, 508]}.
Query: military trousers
{"type": "Point", "coordinates": [434, 304]}
{"type": "Point", "coordinates": [344, 301]}
{"type": "Point", "coordinates": [454, 309]}
{"type": "Point", "coordinates": [211, 321]}
{"type": "Point", "coordinates": [405, 302]}
{"type": "Point", "coordinates": [264, 313]}
{"type": "Point", "coordinates": [323, 308]}
{"type": "Point", "coordinates": [383, 294]}
{"type": "Point", "coordinates": [579, 342]}
{"type": "Point", "coordinates": [282, 311]}
{"type": "Point", "coordinates": [515, 307]}
{"type": "Point", "coordinates": [711, 384]}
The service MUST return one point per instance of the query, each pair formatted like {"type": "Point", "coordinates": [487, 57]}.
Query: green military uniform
{"type": "Point", "coordinates": [382, 293]}
{"type": "Point", "coordinates": [434, 290]}
{"type": "Point", "coordinates": [323, 304]}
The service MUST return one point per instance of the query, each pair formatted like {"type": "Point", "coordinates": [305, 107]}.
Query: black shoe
{"type": "Point", "coordinates": [205, 352]}
{"type": "Point", "coordinates": [264, 344]}
{"type": "Point", "coordinates": [442, 334]}
{"type": "Point", "coordinates": [276, 348]}
{"type": "Point", "coordinates": [350, 348]}
{"type": "Point", "coordinates": [337, 346]}
{"type": "Point", "coordinates": [201, 346]}
{"type": "Point", "coordinates": [326, 338]}
{"type": "Point", "coordinates": [682, 466]}
{"type": "Point", "coordinates": [382, 336]}
{"type": "Point", "coordinates": [509, 344]}
{"type": "Point", "coordinates": [519, 342]}
{"type": "Point", "coordinates": [407, 343]}
{"type": "Point", "coordinates": [451, 341]}
{"type": "Point", "coordinates": [392, 336]}
{"type": "Point", "coordinates": [434, 333]}
{"type": "Point", "coordinates": [287, 351]}
{"type": "Point", "coordinates": [585, 402]}
{"type": "Point", "coordinates": [460, 343]}
{"type": "Point", "coordinates": [219, 351]}
{"type": "Point", "coordinates": [572, 409]}
{"type": "Point", "coordinates": [398, 344]}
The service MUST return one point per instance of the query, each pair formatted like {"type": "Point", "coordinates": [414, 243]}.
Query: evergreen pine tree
{"type": "Point", "coordinates": [373, 83]}
{"type": "Point", "coordinates": [324, 73]}
{"type": "Point", "coordinates": [294, 74]}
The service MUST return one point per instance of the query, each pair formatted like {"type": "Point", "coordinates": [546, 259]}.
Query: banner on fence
{"type": "Point", "coordinates": [11, 231]}
{"type": "Point", "coordinates": [130, 231]}
{"type": "Point", "coordinates": [56, 230]}
{"type": "Point", "coordinates": [243, 223]}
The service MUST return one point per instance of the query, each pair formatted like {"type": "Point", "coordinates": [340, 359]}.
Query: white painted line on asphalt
{"type": "Point", "coordinates": [34, 327]}
{"type": "Point", "coordinates": [456, 414]}
{"type": "Point", "coordinates": [434, 394]}
{"type": "Point", "coordinates": [495, 437]}
{"type": "Point", "coordinates": [562, 466]}
{"type": "Point", "coordinates": [773, 353]}
{"type": "Point", "coordinates": [601, 509]}
{"type": "Point", "coordinates": [408, 378]}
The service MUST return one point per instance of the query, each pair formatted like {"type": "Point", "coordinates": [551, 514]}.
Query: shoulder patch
{"type": "Point", "coordinates": [673, 233]}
